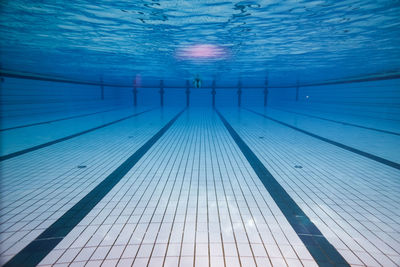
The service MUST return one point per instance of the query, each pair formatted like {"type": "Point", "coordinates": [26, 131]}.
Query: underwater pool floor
{"type": "Point", "coordinates": [200, 187]}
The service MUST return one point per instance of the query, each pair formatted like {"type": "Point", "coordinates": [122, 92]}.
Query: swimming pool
{"type": "Point", "coordinates": [200, 133]}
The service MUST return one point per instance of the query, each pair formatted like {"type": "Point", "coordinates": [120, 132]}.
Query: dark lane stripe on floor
{"type": "Point", "coordinates": [21, 152]}
{"type": "Point", "coordinates": [339, 122]}
{"type": "Point", "coordinates": [348, 148]}
{"type": "Point", "coordinates": [56, 120]}
{"type": "Point", "coordinates": [318, 246]}
{"type": "Point", "coordinates": [35, 251]}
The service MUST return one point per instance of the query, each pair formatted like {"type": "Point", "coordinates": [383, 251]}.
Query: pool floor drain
{"type": "Point", "coordinates": [298, 167]}
{"type": "Point", "coordinates": [81, 166]}
{"type": "Point", "coordinates": [130, 136]}
{"type": "Point", "coordinates": [261, 137]}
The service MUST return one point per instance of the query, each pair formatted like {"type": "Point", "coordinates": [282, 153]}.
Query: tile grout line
{"type": "Point", "coordinates": [210, 148]}
{"type": "Point", "coordinates": [343, 146]}
{"type": "Point", "coordinates": [319, 247]}
{"type": "Point", "coordinates": [190, 186]}
{"type": "Point", "coordinates": [35, 251]}
{"type": "Point", "coordinates": [197, 200]}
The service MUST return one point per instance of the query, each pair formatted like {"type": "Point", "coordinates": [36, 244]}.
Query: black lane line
{"type": "Point", "coordinates": [55, 120]}
{"type": "Point", "coordinates": [348, 80]}
{"type": "Point", "coordinates": [38, 249]}
{"type": "Point", "coordinates": [340, 122]}
{"type": "Point", "coordinates": [21, 152]}
{"type": "Point", "coordinates": [348, 148]}
{"type": "Point", "coordinates": [319, 247]}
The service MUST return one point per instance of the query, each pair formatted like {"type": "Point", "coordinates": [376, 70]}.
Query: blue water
{"type": "Point", "coordinates": [199, 133]}
{"type": "Point", "coordinates": [288, 41]}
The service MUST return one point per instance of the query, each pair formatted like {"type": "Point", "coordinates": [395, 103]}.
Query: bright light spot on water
{"type": "Point", "coordinates": [250, 222]}
{"type": "Point", "coordinates": [201, 51]}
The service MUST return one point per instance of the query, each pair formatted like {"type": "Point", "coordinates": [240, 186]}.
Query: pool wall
{"type": "Point", "coordinates": [372, 99]}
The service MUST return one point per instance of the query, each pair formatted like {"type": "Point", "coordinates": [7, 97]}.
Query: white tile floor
{"type": "Point", "coordinates": [353, 200]}
{"type": "Point", "coordinates": [367, 120]}
{"type": "Point", "coordinates": [194, 199]}
{"type": "Point", "coordinates": [38, 187]}
{"type": "Point", "coordinates": [23, 138]}
{"type": "Point", "coordinates": [382, 144]}
{"type": "Point", "coordinates": [191, 199]}
{"type": "Point", "coordinates": [12, 121]}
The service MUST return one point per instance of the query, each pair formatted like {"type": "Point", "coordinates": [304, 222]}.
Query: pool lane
{"type": "Point", "coordinates": [193, 200]}
{"type": "Point", "coordinates": [338, 122]}
{"type": "Point", "coordinates": [65, 138]}
{"type": "Point", "coordinates": [352, 199]}
{"type": "Point", "coordinates": [33, 253]}
{"type": "Point", "coordinates": [374, 157]}
{"type": "Point", "coordinates": [318, 246]}
{"type": "Point", "coordinates": [205, 194]}
{"type": "Point", "coordinates": [57, 120]}
{"type": "Point", "coordinates": [39, 187]}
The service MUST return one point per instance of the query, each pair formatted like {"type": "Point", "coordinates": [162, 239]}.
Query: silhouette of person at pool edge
{"type": "Point", "coordinates": [197, 82]}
